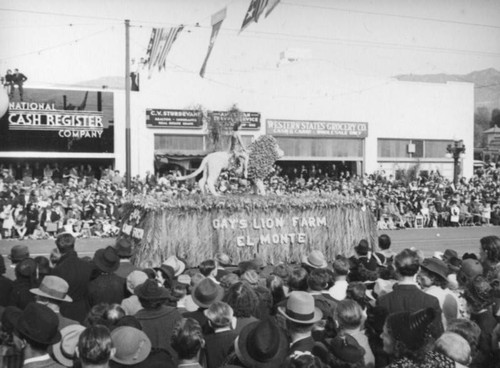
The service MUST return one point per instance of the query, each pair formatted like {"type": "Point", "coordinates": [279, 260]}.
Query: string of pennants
{"type": "Point", "coordinates": [162, 39]}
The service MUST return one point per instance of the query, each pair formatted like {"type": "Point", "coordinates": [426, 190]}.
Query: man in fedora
{"type": "Point", "coordinates": [156, 318]}
{"type": "Point", "coordinates": [77, 273]}
{"type": "Point", "coordinates": [52, 292]}
{"type": "Point", "coordinates": [314, 260]}
{"type": "Point", "coordinates": [107, 287]}
{"type": "Point", "coordinates": [301, 315]}
{"type": "Point", "coordinates": [204, 294]}
{"type": "Point", "coordinates": [38, 330]}
{"type": "Point", "coordinates": [123, 249]}
{"type": "Point", "coordinates": [17, 253]}
{"type": "Point", "coordinates": [260, 344]}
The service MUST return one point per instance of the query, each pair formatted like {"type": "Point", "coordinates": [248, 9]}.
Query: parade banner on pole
{"type": "Point", "coordinates": [217, 20]}
{"type": "Point", "coordinates": [171, 36]}
{"type": "Point", "coordinates": [272, 4]}
{"type": "Point", "coordinates": [251, 14]}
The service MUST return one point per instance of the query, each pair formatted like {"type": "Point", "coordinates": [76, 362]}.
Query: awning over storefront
{"type": "Point", "coordinates": [182, 158]}
{"type": "Point", "coordinates": [179, 155]}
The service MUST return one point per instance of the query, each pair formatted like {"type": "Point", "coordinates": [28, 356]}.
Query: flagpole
{"type": "Point", "coordinates": [127, 105]}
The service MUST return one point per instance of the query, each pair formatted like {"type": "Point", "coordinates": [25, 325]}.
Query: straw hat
{"type": "Point", "coordinates": [53, 287]}
{"type": "Point", "coordinates": [315, 259]}
{"type": "Point", "coordinates": [65, 350]}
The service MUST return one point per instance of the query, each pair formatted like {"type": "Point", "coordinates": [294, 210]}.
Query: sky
{"type": "Point", "coordinates": [67, 41]}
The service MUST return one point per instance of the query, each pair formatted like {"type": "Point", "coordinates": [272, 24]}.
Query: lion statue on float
{"type": "Point", "coordinates": [263, 153]}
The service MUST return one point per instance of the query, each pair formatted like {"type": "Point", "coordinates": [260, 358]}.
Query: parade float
{"type": "Point", "coordinates": [277, 228]}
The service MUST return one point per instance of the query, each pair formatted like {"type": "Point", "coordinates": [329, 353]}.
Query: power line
{"type": "Point", "coordinates": [56, 46]}
{"type": "Point", "coordinates": [438, 20]}
{"type": "Point", "coordinates": [60, 14]}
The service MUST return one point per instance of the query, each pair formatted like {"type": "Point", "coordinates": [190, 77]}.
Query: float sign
{"type": "Point", "coordinates": [166, 118]}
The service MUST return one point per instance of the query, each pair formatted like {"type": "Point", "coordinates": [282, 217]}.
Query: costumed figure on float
{"type": "Point", "coordinates": [256, 162]}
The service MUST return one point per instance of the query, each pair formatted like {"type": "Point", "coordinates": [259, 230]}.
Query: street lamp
{"type": "Point", "coordinates": [456, 151]}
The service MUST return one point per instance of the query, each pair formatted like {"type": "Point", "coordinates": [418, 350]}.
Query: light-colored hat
{"type": "Point", "coordinates": [300, 308]}
{"type": "Point", "coordinates": [132, 345]}
{"type": "Point", "coordinates": [315, 259]}
{"type": "Point", "coordinates": [65, 350]}
{"type": "Point", "coordinates": [176, 264]}
{"type": "Point", "coordinates": [134, 279]}
{"type": "Point", "coordinates": [53, 287]}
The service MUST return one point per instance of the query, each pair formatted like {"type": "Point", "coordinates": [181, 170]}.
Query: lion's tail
{"type": "Point", "coordinates": [195, 173]}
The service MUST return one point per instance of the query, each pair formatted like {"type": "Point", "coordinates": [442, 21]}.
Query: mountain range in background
{"type": "Point", "coordinates": [486, 84]}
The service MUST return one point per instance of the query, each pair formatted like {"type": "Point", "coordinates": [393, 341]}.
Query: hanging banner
{"type": "Point", "coordinates": [313, 128]}
{"type": "Point", "coordinates": [217, 20]}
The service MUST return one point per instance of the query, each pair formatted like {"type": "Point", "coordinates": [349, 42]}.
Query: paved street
{"type": "Point", "coordinates": [464, 239]}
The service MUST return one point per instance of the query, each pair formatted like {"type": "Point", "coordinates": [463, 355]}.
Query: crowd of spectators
{"type": "Point", "coordinates": [376, 308]}
{"type": "Point", "coordinates": [39, 201]}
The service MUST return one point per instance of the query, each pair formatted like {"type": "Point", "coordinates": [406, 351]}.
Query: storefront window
{"type": "Point", "coordinates": [179, 142]}
{"type": "Point", "coordinates": [436, 148]}
{"type": "Point", "coordinates": [321, 147]}
{"type": "Point", "coordinates": [393, 147]}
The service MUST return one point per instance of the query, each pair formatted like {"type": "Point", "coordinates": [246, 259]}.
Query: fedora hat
{"type": "Point", "coordinates": [40, 324]}
{"type": "Point", "coordinates": [261, 344]}
{"type": "Point", "coordinates": [107, 259]}
{"type": "Point", "coordinates": [177, 265]}
{"type": "Point", "coordinates": [436, 266]}
{"type": "Point", "coordinates": [207, 292]}
{"type": "Point", "coordinates": [19, 252]}
{"type": "Point", "coordinates": [132, 345]}
{"type": "Point", "coordinates": [123, 247]}
{"type": "Point", "coordinates": [65, 350]}
{"type": "Point", "coordinates": [53, 287]}
{"type": "Point", "coordinates": [300, 308]}
{"type": "Point", "coordinates": [150, 290]}
{"type": "Point", "coordinates": [315, 259]}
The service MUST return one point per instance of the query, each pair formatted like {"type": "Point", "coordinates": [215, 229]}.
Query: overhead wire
{"type": "Point", "coordinates": [402, 16]}
{"type": "Point", "coordinates": [57, 45]}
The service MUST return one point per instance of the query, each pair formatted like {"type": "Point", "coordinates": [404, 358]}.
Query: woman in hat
{"type": "Point", "coordinates": [432, 277]}
{"type": "Point", "coordinates": [407, 339]}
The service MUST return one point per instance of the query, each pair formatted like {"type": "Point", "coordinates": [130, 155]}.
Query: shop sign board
{"type": "Point", "coordinates": [59, 121]}
{"type": "Point", "coordinates": [176, 119]}
{"type": "Point", "coordinates": [250, 120]}
{"type": "Point", "coordinates": [315, 128]}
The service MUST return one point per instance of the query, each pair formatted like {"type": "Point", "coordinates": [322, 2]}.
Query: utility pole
{"type": "Point", "coordinates": [127, 105]}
